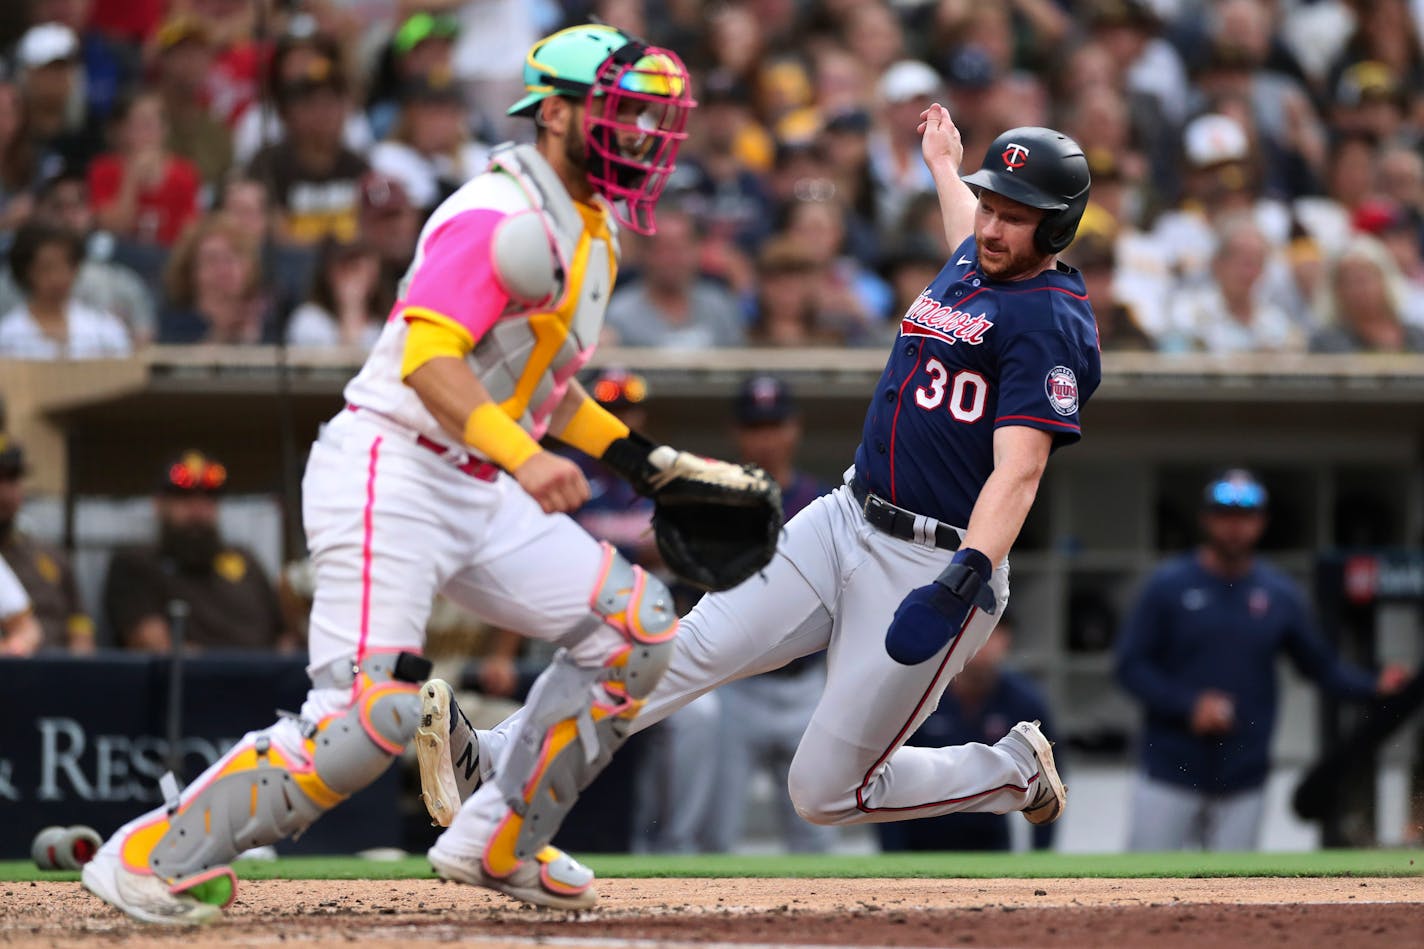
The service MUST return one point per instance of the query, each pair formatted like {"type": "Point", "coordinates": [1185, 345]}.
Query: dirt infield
{"type": "Point", "coordinates": [1170, 913]}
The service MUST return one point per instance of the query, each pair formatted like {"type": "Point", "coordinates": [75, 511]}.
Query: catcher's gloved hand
{"type": "Point", "coordinates": [931, 615]}
{"type": "Point", "coordinates": [716, 523]}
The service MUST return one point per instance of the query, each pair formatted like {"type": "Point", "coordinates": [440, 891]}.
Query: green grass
{"type": "Point", "coordinates": [1322, 863]}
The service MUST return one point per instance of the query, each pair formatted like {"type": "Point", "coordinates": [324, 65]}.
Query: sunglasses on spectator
{"type": "Point", "coordinates": [1237, 496]}
{"type": "Point", "coordinates": [193, 472]}
{"type": "Point", "coordinates": [631, 388]}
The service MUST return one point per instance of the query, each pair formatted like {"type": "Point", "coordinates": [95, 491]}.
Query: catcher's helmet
{"type": "Point", "coordinates": [1042, 169]}
{"type": "Point", "coordinates": [637, 99]}
{"type": "Point", "coordinates": [566, 63]}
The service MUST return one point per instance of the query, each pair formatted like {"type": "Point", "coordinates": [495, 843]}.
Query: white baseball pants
{"type": "Point", "coordinates": [390, 524]}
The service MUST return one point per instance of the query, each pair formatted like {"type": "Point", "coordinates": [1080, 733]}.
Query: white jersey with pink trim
{"type": "Point", "coordinates": [525, 351]}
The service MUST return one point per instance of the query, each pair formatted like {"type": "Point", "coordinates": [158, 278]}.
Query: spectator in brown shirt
{"type": "Point", "coordinates": [312, 176]}
{"type": "Point", "coordinates": [44, 572]}
{"type": "Point", "coordinates": [231, 602]}
{"type": "Point", "coordinates": [787, 307]}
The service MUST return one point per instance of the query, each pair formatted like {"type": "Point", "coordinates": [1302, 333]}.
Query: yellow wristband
{"type": "Point", "coordinates": [592, 429]}
{"type": "Point", "coordinates": [498, 437]}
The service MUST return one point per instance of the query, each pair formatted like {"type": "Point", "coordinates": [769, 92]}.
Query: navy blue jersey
{"type": "Point", "coordinates": [1192, 630]}
{"type": "Point", "coordinates": [975, 354]}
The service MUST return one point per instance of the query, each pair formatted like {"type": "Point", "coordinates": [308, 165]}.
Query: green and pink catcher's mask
{"type": "Point", "coordinates": [637, 99]}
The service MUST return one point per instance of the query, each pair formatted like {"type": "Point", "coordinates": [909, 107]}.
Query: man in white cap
{"type": "Point", "coordinates": [1217, 180]}
{"type": "Point", "coordinates": [47, 65]}
{"type": "Point", "coordinates": [905, 90]}
{"type": "Point", "coordinates": [1221, 179]}
{"type": "Point", "coordinates": [108, 66]}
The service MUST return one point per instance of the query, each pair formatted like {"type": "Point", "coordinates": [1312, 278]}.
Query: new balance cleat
{"type": "Point", "coordinates": [1050, 796]}
{"type": "Point", "coordinates": [448, 752]}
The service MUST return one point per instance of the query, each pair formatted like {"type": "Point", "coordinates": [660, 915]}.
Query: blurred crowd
{"type": "Point", "coordinates": [255, 171]}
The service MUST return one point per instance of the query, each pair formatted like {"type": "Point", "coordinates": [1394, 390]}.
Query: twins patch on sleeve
{"type": "Point", "coordinates": [1062, 388]}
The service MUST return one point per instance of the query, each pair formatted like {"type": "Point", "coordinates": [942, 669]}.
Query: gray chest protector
{"type": "Point", "coordinates": [558, 278]}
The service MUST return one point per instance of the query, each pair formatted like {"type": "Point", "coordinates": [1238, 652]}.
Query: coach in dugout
{"type": "Point", "coordinates": [231, 603]}
{"type": "Point", "coordinates": [1199, 652]}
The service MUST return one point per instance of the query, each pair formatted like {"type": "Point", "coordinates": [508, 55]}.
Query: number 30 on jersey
{"type": "Point", "coordinates": [967, 392]}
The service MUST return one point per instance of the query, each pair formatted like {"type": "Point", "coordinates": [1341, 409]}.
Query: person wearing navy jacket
{"type": "Point", "coordinates": [1199, 652]}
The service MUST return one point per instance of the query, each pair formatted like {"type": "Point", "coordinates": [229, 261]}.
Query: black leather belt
{"type": "Point", "coordinates": [896, 521]}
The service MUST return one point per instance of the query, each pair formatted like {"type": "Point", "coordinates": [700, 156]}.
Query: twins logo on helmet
{"type": "Point", "coordinates": [1015, 156]}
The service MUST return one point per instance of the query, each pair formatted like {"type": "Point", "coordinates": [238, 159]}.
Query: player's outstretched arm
{"type": "Point", "coordinates": [932, 615]}
{"type": "Point", "coordinates": [579, 421]}
{"type": "Point", "coordinates": [944, 154]}
{"type": "Point", "coordinates": [715, 523]}
{"type": "Point", "coordinates": [1020, 457]}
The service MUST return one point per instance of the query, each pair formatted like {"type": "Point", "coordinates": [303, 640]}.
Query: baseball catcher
{"type": "Point", "coordinates": [433, 480]}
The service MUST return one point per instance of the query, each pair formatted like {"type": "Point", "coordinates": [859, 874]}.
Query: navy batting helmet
{"type": "Point", "coordinates": [1042, 169]}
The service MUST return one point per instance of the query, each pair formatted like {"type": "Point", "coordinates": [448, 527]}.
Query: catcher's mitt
{"type": "Point", "coordinates": [716, 523]}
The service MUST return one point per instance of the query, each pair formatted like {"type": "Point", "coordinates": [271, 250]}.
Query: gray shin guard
{"type": "Point", "coordinates": [262, 793]}
{"type": "Point", "coordinates": [576, 717]}
{"type": "Point", "coordinates": [561, 698]}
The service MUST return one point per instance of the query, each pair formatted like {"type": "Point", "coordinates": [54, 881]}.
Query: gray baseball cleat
{"type": "Point", "coordinates": [1050, 796]}
{"type": "Point", "coordinates": [551, 879]}
{"type": "Point", "coordinates": [448, 751]}
{"type": "Point", "coordinates": [143, 896]}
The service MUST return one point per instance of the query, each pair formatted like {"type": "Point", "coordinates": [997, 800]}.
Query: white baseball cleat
{"type": "Point", "coordinates": [552, 879]}
{"type": "Point", "coordinates": [1050, 796]}
{"type": "Point", "coordinates": [444, 742]}
{"type": "Point", "coordinates": [143, 896]}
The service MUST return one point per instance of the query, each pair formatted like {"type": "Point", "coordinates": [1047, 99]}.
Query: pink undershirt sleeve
{"type": "Point", "coordinates": [456, 277]}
